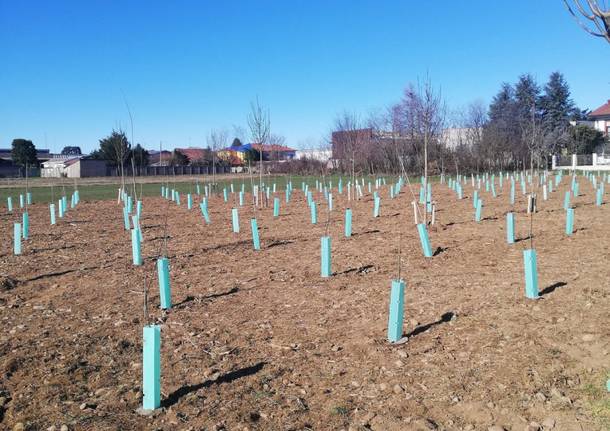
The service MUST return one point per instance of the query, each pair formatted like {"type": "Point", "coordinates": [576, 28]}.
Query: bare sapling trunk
{"type": "Point", "coordinates": [259, 124]}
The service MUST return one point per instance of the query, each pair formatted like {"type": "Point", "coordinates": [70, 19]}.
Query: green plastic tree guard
{"type": "Point", "coordinates": [17, 239]}
{"type": "Point", "coordinates": [151, 367]}
{"type": "Point", "coordinates": [204, 212]}
{"type": "Point", "coordinates": [376, 206]}
{"type": "Point", "coordinates": [52, 211]}
{"type": "Point", "coordinates": [424, 240]}
{"type": "Point", "coordinates": [136, 251]}
{"type": "Point", "coordinates": [510, 228]}
{"type": "Point", "coordinates": [569, 221]}
{"type": "Point", "coordinates": [325, 269]}
{"type": "Point", "coordinates": [314, 213]}
{"type": "Point", "coordinates": [531, 274]}
{"type": "Point", "coordinates": [256, 242]}
{"type": "Point", "coordinates": [26, 225]}
{"type": "Point", "coordinates": [396, 315]}
{"type": "Point", "coordinates": [164, 284]}
{"type": "Point", "coordinates": [348, 222]}
{"type": "Point", "coordinates": [276, 207]}
{"type": "Point", "coordinates": [235, 220]}
{"type": "Point", "coordinates": [479, 210]}
{"type": "Point", "coordinates": [126, 219]}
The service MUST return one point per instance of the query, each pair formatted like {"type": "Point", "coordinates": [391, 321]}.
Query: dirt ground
{"type": "Point", "coordinates": [257, 340]}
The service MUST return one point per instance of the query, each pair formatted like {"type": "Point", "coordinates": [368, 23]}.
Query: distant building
{"type": "Point", "coordinates": [314, 154]}
{"type": "Point", "coordinates": [454, 137]}
{"type": "Point", "coordinates": [273, 152]}
{"type": "Point", "coordinates": [234, 155]}
{"type": "Point", "coordinates": [85, 167]}
{"type": "Point", "coordinates": [159, 158]}
{"type": "Point", "coordinates": [601, 119]}
{"type": "Point", "coordinates": [237, 153]}
{"type": "Point", "coordinates": [196, 155]}
{"type": "Point", "coordinates": [73, 167]}
{"type": "Point", "coordinates": [54, 168]}
{"type": "Point", "coordinates": [344, 142]}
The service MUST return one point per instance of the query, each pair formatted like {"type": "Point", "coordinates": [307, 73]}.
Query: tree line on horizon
{"type": "Point", "coordinates": [524, 125]}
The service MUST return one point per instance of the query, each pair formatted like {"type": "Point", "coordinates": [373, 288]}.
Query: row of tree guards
{"type": "Point", "coordinates": [21, 229]}
{"type": "Point", "coordinates": [261, 194]}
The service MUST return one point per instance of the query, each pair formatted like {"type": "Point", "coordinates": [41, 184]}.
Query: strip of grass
{"type": "Point", "coordinates": [93, 192]}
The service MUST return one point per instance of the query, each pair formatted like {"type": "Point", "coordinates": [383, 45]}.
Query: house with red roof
{"type": "Point", "coordinates": [196, 155]}
{"type": "Point", "coordinates": [601, 119]}
{"type": "Point", "coordinates": [159, 158]}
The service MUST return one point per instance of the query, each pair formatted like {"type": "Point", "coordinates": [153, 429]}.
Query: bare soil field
{"type": "Point", "coordinates": [257, 340]}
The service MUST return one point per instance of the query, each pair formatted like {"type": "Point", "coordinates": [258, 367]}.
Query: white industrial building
{"type": "Point", "coordinates": [73, 167]}
{"type": "Point", "coordinates": [314, 154]}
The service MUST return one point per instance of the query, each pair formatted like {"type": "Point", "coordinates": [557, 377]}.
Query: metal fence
{"type": "Point", "coordinates": [563, 160]}
{"type": "Point", "coordinates": [584, 159]}
{"type": "Point", "coordinates": [12, 171]}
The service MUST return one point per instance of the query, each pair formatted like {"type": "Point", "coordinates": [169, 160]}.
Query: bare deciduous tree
{"type": "Point", "coordinates": [467, 139]}
{"type": "Point", "coordinates": [259, 123]}
{"type": "Point", "coordinates": [217, 140]}
{"type": "Point", "coordinates": [240, 133]}
{"type": "Point", "coordinates": [276, 141]}
{"type": "Point", "coordinates": [596, 17]}
{"type": "Point", "coordinates": [425, 111]}
{"type": "Point", "coordinates": [348, 142]}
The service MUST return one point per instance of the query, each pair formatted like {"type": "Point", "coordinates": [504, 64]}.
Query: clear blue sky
{"type": "Point", "coordinates": [187, 67]}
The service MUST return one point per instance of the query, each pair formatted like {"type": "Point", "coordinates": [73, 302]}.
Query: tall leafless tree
{"type": "Point", "coordinates": [425, 109]}
{"type": "Point", "coordinates": [259, 123]}
{"type": "Point", "coordinates": [217, 140]}
{"type": "Point", "coordinates": [592, 16]}
{"type": "Point", "coordinates": [348, 141]}
{"type": "Point", "coordinates": [467, 136]}
{"type": "Point", "coordinates": [276, 141]}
